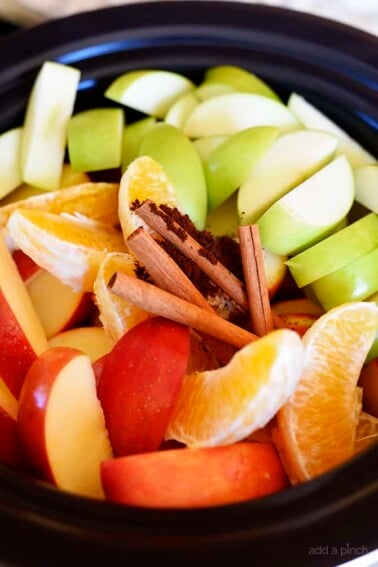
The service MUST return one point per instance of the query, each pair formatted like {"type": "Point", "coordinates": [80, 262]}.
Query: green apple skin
{"type": "Point", "coordinates": [292, 158]}
{"type": "Point", "coordinates": [224, 220]}
{"type": "Point", "coordinates": [133, 135]}
{"type": "Point", "coordinates": [181, 109]}
{"type": "Point", "coordinates": [336, 251]}
{"type": "Point", "coordinates": [44, 135]}
{"type": "Point", "coordinates": [237, 79]}
{"type": "Point", "coordinates": [231, 112]}
{"type": "Point", "coordinates": [309, 212]}
{"type": "Point", "coordinates": [230, 163]}
{"type": "Point", "coordinates": [205, 146]}
{"type": "Point", "coordinates": [10, 167]}
{"type": "Point", "coordinates": [356, 282]}
{"type": "Point", "coordinates": [173, 150]}
{"type": "Point", "coordinates": [366, 186]}
{"type": "Point", "coordinates": [313, 118]}
{"type": "Point", "coordinates": [149, 91]}
{"type": "Point", "coordinates": [95, 139]}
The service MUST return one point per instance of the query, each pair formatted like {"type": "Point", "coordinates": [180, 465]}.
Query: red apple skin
{"type": "Point", "coordinates": [98, 367]}
{"type": "Point", "coordinates": [192, 478]}
{"type": "Point", "coordinates": [10, 445]}
{"type": "Point", "coordinates": [16, 353]}
{"type": "Point", "coordinates": [369, 382]}
{"type": "Point", "coordinates": [26, 266]}
{"type": "Point", "coordinates": [33, 402]}
{"type": "Point", "coordinates": [140, 383]}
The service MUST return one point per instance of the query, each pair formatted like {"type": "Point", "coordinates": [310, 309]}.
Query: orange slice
{"type": "Point", "coordinates": [70, 248]}
{"type": "Point", "coordinates": [143, 179]}
{"type": "Point", "coordinates": [367, 431]}
{"type": "Point", "coordinates": [222, 406]}
{"type": "Point", "coordinates": [98, 201]}
{"type": "Point", "coordinates": [317, 427]}
{"type": "Point", "coordinates": [116, 314]}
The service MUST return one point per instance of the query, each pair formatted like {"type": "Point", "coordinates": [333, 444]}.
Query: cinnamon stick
{"type": "Point", "coordinates": [161, 302]}
{"type": "Point", "coordinates": [163, 270]}
{"type": "Point", "coordinates": [254, 273]}
{"type": "Point", "coordinates": [167, 227]}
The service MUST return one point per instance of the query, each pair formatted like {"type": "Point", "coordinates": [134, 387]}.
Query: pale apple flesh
{"type": "Point", "coordinates": [93, 341]}
{"type": "Point", "coordinates": [61, 422]}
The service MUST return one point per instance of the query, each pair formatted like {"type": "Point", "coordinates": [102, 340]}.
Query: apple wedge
{"type": "Point", "coordinates": [205, 146]}
{"type": "Point", "coordinates": [291, 159]}
{"type": "Point", "coordinates": [310, 211]}
{"type": "Point", "coordinates": [44, 135]}
{"type": "Point", "coordinates": [140, 383]}
{"type": "Point", "coordinates": [93, 341]}
{"type": "Point", "coordinates": [194, 478]}
{"type": "Point", "coordinates": [227, 78]}
{"type": "Point", "coordinates": [10, 447]}
{"type": "Point", "coordinates": [355, 282]}
{"type": "Point", "coordinates": [366, 186]}
{"type": "Point", "coordinates": [22, 337]}
{"type": "Point", "coordinates": [229, 113]}
{"type": "Point", "coordinates": [299, 305]}
{"type": "Point", "coordinates": [230, 164]}
{"type": "Point", "coordinates": [174, 152]}
{"type": "Point", "coordinates": [373, 352]}
{"type": "Point", "coordinates": [61, 422]}
{"type": "Point", "coordinates": [57, 305]}
{"type": "Point", "coordinates": [10, 166]}
{"type": "Point", "coordinates": [314, 119]}
{"type": "Point", "coordinates": [369, 382]}
{"type": "Point", "coordinates": [133, 135]}
{"type": "Point", "coordinates": [181, 109]}
{"type": "Point", "coordinates": [224, 220]}
{"type": "Point", "coordinates": [150, 91]}
{"type": "Point", "coordinates": [336, 251]}
{"type": "Point", "coordinates": [95, 139]}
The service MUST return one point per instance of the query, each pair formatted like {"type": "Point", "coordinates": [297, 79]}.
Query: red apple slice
{"type": "Point", "coordinates": [10, 448]}
{"type": "Point", "coordinates": [22, 337]}
{"type": "Point", "coordinates": [298, 322]}
{"type": "Point", "coordinates": [140, 383]}
{"type": "Point", "coordinates": [27, 268]}
{"type": "Point", "coordinates": [61, 422]}
{"type": "Point", "coordinates": [298, 305]}
{"type": "Point", "coordinates": [192, 478]}
{"type": "Point", "coordinates": [93, 341]}
{"type": "Point", "coordinates": [369, 382]}
{"type": "Point", "coordinates": [57, 305]}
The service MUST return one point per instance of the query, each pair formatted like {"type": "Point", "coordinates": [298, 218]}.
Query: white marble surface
{"type": "Point", "coordinates": [359, 13]}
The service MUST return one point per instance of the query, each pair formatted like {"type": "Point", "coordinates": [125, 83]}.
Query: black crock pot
{"type": "Point", "coordinates": [327, 521]}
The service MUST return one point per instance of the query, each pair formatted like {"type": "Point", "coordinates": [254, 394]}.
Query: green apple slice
{"type": "Point", "coordinates": [150, 91]}
{"type": "Point", "coordinates": [44, 136]}
{"type": "Point", "coordinates": [336, 251]}
{"type": "Point", "coordinates": [230, 163]}
{"type": "Point", "coordinates": [10, 169]}
{"type": "Point", "coordinates": [173, 150]}
{"type": "Point", "coordinates": [229, 113]}
{"type": "Point", "coordinates": [133, 135]}
{"type": "Point", "coordinates": [224, 220]}
{"type": "Point", "coordinates": [205, 146]}
{"type": "Point", "coordinates": [366, 186]}
{"type": "Point", "coordinates": [181, 109]}
{"type": "Point", "coordinates": [95, 139]}
{"type": "Point", "coordinates": [313, 118]}
{"type": "Point", "coordinates": [226, 78]}
{"type": "Point", "coordinates": [310, 211]}
{"type": "Point", "coordinates": [291, 159]}
{"type": "Point", "coordinates": [355, 282]}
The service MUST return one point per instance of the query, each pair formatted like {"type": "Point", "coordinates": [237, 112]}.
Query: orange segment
{"type": "Point", "coordinates": [143, 179]}
{"type": "Point", "coordinates": [317, 427]}
{"type": "Point", "coordinates": [116, 314]}
{"type": "Point", "coordinates": [367, 431]}
{"type": "Point", "coordinates": [98, 201]}
{"type": "Point", "coordinates": [222, 406]}
{"type": "Point", "coordinates": [70, 248]}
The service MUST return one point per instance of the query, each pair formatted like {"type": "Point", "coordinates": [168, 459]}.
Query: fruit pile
{"type": "Point", "coordinates": [121, 376]}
